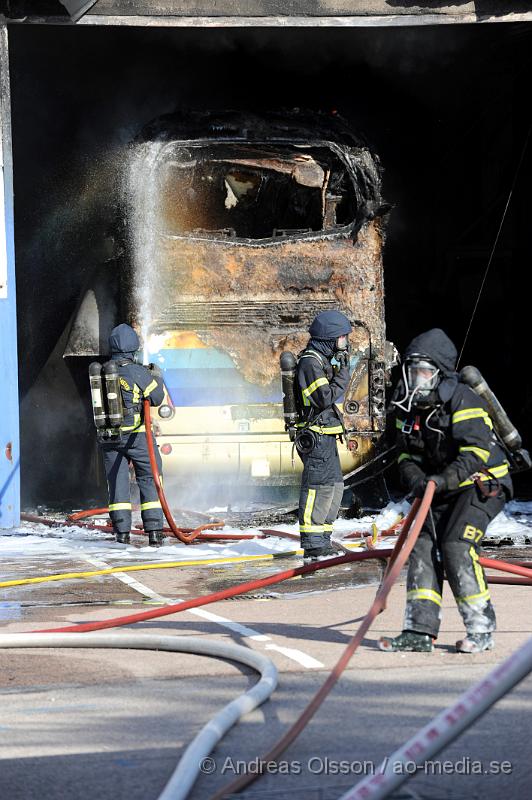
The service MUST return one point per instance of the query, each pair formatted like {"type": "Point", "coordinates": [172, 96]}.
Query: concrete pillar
{"type": "Point", "coordinates": [9, 418]}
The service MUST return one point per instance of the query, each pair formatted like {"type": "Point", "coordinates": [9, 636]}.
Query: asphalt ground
{"type": "Point", "coordinates": [112, 724]}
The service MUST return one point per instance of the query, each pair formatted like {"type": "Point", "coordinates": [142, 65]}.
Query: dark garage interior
{"type": "Point", "coordinates": [446, 109]}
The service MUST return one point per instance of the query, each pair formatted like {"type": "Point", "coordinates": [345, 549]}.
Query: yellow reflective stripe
{"type": "Point", "coordinates": [311, 529]}
{"type": "Point", "coordinates": [424, 594]}
{"type": "Point", "coordinates": [136, 393]}
{"type": "Point", "coordinates": [478, 451]}
{"type": "Point", "coordinates": [151, 504]}
{"type": "Point", "coordinates": [328, 429]}
{"type": "Point", "coordinates": [471, 413]}
{"type": "Point", "coordinates": [479, 572]}
{"type": "Point", "coordinates": [137, 427]}
{"type": "Point", "coordinates": [495, 472]}
{"type": "Point", "coordinates": [309, 506]}
{"type": "Point", "coordinates": [120, 507]}
{"type": "Point", "coordinates": [150, 387]}
{"type": "Point", "coordinates": [313, 386]}
{"type": "Point", "coordinates": [474, 598]}
{"type": "Point", "coordinates": [404, 457]}
{"type": "Point", "coordinates": [327, 527]}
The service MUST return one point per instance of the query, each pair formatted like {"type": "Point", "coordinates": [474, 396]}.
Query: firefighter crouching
{"type": "Point", "coordinates": [445, 434]}
{"type": "Point", "coordinates": [320, 385]}
{"type": "Point", "coordinates": [136, 384]}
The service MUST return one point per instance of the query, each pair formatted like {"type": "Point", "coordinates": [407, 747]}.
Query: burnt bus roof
{"type": "Point", "coordinates": [311, 128]}
{"type": "Point", "coordinates": [250, 126]}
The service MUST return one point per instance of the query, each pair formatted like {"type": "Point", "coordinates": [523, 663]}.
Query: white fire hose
{"type": "Point", "coordinates": [444, 728]}
{"type": "Point", "coordinates": [188, 768]}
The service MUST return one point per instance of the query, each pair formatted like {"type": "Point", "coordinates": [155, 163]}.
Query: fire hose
{"type": "Point", "coordinates": [400, 555]}
{"type": "Point", "coordinates": [188, 768]}
{"type": "Point", "coordinates": [444, 728]}
{"type": "Point", "coordinates": [523, 573]}
{"type": "Point", "coordinates": [186, 538]}
{"type": "Point", "coordinates": [398, 558]}
{"type": "Point", "coordinates": [201, 536]}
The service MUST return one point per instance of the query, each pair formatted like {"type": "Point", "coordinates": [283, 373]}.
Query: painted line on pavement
{"type": "Point", "coordinates": [303, 659]}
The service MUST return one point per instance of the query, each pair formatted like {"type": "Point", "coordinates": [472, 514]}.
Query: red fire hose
{"type": "Point", "coordinates": [186, 538]}
{"type": "Point", "coordinates": [202, 537]}
{"type": "Point", "coordinates": [224, 594]}
{"type": "Point", "coordinates": [400, 555]}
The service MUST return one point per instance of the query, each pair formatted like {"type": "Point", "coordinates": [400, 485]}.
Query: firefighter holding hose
{"type": "Point", "coordinates": [445, 434]}
{"type": "Point", "coordinates": [320, 385]}
{"type": "Point", "coordinates": [128, 445]}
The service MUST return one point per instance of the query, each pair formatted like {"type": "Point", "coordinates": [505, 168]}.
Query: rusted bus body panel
{"type": "Point", "coordinates": [256, 301]}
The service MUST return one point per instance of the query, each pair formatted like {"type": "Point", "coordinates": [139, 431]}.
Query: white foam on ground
{"type": "Point", "coordinates": [40, 541]}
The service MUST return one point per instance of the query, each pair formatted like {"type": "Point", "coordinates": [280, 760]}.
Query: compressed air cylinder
{"type": "Point", "coordinates": [288, 380]}
{"type": "Point", "coordinates": [504, 428]}
{"type": "Point", "coordinates": [113, 394]}
{"type": "Point", "coordinates": [98, 408]}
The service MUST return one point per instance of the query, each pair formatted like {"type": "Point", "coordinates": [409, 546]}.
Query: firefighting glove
{"type": "Point", "coordinates": [410, 474]}
{"type": "Point", "coordinates": [155, 371]}
{"type": "Point", "coordinates": [421, 485]}
{"type": "Point", "coordinates": [342, 357]}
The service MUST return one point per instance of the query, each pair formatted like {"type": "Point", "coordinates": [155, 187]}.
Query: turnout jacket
{"type": "Point", "coordinates": [137, 383]}
{"type": "Point", "coordinates": [456, 441]}
{"type": "Point", "coordinates": [319, 388]}
{"type": "Point", "coordinates": [454, 437]}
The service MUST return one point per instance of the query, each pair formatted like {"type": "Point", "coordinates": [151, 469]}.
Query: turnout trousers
{"type": "Point", "coordinates": [117, 457]}
{"type": "Point", "coordinates": [449, 543]}
{"type": "Point", "coordinates": [322, 487]}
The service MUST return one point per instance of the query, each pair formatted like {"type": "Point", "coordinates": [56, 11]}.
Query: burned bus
{"type": "Point", "coordinates": [238, 229]}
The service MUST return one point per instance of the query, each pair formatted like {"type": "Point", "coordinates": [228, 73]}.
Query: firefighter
{"type": "Point", "coordinates": [137, 383]}
{"type": "Point", "coordinates": [320, 385]}
{"type": "Point", "coordinates": [445, 434]}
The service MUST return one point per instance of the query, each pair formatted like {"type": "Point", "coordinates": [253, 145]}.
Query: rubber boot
{"type": "Point", "coordinates": [122, 538]}
{"type": "Point", "coordinates": [313, 545]}
{"type": "Point", "coordinates": [331, 550]}
{"type": "Point", "coordinates": [475, 643]}
{"type": "Point", "coordinates": [407, 640]}
{"type": "Point", "coordinates": [155, 538]}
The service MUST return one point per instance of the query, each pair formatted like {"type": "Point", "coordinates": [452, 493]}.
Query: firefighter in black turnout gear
{"type": "Point", "coordinates": [320, 385]}
{"type": "Point", "coordinates": [137, 383]}
{"type": "Point", "coordinates": [445, 434]}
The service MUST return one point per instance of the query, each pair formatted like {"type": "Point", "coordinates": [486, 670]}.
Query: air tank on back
{"type": "Point", "coordinates": [507, 433]}
{"type": "Point", "coordinates": [288, 364]}
{"type": "Point", "coordinates": [113, 394]}
{"type": "Point", "coordinates": [98, 407]}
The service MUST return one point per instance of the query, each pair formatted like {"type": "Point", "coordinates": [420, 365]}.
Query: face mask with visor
{"type": "Point", "coordinates": [421, 377]}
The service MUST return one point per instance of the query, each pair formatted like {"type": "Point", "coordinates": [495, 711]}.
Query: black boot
{"type": "Point", "coordinates": [475, 643]}
{"type": "Point", "coordinates": [122, 538]}
{"type": "Point", "coordinates": [407, 640]}
{"type": "Point", "coordinates": [313, 545]}
{"type": "Point", "coordinates": [155, 538]}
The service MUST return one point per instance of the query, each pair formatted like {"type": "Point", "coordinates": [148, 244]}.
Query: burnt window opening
{"type": "Point", "coordinates": [260, 193]}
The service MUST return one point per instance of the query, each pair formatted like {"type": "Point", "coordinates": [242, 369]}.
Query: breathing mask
{"type": "Point", "coordinates": [342, 349]}
{"type": "Point", "coordinates": [421, 378]}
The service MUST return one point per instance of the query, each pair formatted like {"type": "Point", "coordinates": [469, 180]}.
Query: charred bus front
{"type": "Point", "coordinates": [239, 230]}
